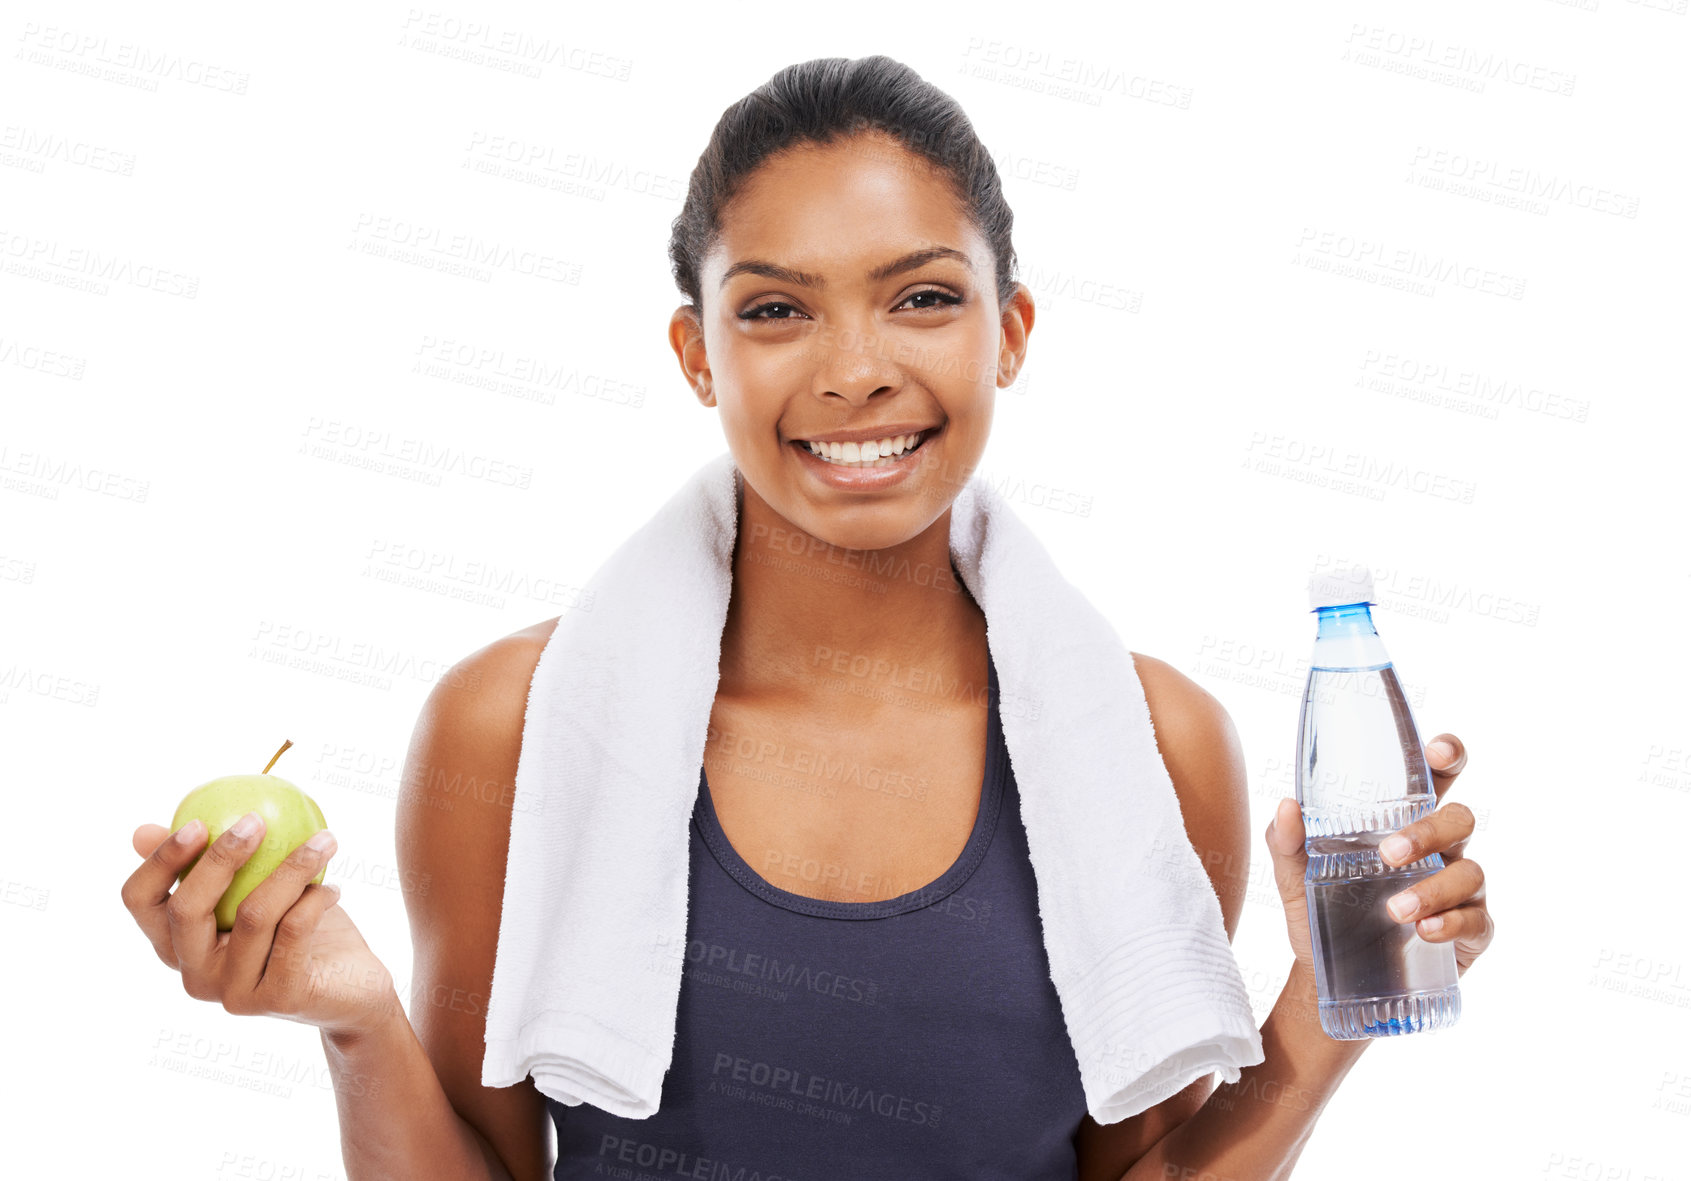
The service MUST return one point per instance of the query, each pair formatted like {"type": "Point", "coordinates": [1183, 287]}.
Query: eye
{"type": "Point", "coordinates": [947, 299]}
{"type": "Point", "coordinates": [755, 313]}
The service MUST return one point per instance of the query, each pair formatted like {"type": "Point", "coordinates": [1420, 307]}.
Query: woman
{"type": "Point", "coordinates": [845, 253]}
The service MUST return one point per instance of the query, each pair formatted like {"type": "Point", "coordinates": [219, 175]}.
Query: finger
{"type": "Point", "coordinates": [147, 890]}
{"type": "Point", "coordinates": [256, 918]}
{"type": "Point", "coordinates": [1445, 828]}
{"type": "Point", "coordinates": [1455, 885]}
{"type": "Point", "coordinates": [1469, 927]}
{"type": "Point", "coordinates": [193, 926]}
{"type": "Point", "coordinates": [1446, 759]}
{"type": "Point", "coordinates": [1285, 838]}
{"type": "Point", "coordinates": [1285, 831]}
{"type": "Point", "coordinates": [286, 976]}
{"type": "Point", "coordinates": [148, 838]}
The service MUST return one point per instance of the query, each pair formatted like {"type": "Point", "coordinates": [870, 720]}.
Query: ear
{"type": "Point", "coordinates": [687, 338]}
{"type": "Point", "coordinates": [1015, 322]}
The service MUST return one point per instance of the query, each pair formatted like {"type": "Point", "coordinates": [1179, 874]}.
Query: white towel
{"type": "Point", "coordinates": [587, 979]}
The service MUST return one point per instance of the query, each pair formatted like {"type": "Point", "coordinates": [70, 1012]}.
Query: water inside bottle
{"type": "Point", "coordinates": [1366, 959]}
{"type": "Point", "coordinates": [1363, 777]}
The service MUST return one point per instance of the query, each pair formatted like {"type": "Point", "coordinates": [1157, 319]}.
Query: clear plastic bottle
{"type": "Point", "coordinates": [1362, 775]}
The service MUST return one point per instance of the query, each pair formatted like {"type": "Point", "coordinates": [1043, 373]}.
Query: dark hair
{"type": "Point", "coordinates": [822, 100]}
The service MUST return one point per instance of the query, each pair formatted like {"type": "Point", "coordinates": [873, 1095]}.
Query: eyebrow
{"type": "Point", "coordinates": [909, 262]}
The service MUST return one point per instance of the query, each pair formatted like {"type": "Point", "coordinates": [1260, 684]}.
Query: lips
{"type": "Point", "coordinates": [879, 474]}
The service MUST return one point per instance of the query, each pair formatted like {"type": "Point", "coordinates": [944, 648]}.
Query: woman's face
{"type": "Point", "coordinates": [848, 295]}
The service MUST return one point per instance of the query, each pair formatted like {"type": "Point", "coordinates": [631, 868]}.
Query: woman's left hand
{"type": "Point", "coordinates": [1447, 907]}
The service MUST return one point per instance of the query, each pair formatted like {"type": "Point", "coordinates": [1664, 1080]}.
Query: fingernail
{"type": "Point", "coordinates": [1396, 848]}
{"type": "Point", "coordinates": [1433, 924]}
{"type": "Point", "coordinates": [321, 842]}
{"type": "Point", "coordinates": [1403, 905]}
{"type": "Point", "coordinates": [189, 833]}
{"type": "Point", "coordinates": [1442, 752]}
{"type": "Point", "coordinates": [245, 826]}
{"type": "Point", "coordinates": [1286, 807]}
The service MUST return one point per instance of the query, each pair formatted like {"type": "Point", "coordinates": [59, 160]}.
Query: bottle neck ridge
{"type": "Point", "coordinates": [1346, 638]}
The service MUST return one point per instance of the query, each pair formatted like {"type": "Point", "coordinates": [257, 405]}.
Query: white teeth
{"type": "Point", "coordinates": [866, 454]}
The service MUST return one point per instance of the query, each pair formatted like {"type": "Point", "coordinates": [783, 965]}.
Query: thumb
{"type": "Point", "coordinates": [1285, 831]}
{"type": "Point", "coordinates": [1285, 838]}
{"type": "Point", "coordinates": [148, 838]}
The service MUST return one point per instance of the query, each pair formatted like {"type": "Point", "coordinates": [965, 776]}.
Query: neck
{"type": "Point", "coordinates": [803, 609]}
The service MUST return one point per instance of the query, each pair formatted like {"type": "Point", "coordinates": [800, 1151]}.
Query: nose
{"type": "Point", "coordinates": [852, 363]}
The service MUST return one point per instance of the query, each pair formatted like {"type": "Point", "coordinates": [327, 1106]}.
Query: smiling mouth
{"type": "Point", "coordinates": [852, 454]}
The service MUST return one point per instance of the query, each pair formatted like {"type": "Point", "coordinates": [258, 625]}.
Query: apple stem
{"type": "Point", "coordinates": [286, 743]}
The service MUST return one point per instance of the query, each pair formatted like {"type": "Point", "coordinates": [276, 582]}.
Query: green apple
{"type": "Point", "coordinates": [290, 819]}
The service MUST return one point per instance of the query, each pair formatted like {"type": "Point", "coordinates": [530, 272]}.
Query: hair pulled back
{"type": "Point", "coordinates": [820, 101]}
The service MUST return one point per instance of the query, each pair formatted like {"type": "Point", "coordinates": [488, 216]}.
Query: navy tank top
{"type": "Point", "coordinates": [912, 1037]}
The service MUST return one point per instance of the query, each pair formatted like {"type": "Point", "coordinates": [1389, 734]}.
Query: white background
{"type": "Point", "coordinates": [1223, 389]}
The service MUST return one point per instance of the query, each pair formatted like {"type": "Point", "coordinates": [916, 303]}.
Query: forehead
{"type": "Point", "coordinates": [826, 206]}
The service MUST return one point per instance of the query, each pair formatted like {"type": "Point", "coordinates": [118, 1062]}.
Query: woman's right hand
{"type": "Point", "coordinates": [293, 952]}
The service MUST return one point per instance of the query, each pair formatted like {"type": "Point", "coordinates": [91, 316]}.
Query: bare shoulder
{"type": "Point", "coordinates": [1200, 747]}
{"type": "Point", "coordinates": [1181, 709]}
{"type": "Point", "coordinates": [452, 833]}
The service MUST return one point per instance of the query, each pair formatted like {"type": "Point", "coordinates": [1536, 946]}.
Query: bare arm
{"type": "Point", "coordinates": [1255, 1129]}
{"type": "Point", "coordinates": [409, 1094]}
{"type": "Point", "coordinates": [396, 1120]}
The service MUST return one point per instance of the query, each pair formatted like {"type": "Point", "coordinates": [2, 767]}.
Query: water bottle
{"type": "Point", "coordinates": [1362, 775]}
